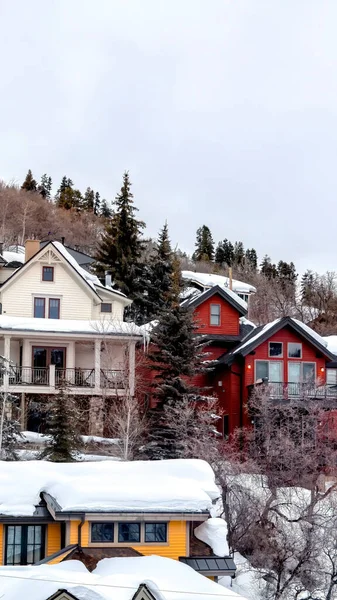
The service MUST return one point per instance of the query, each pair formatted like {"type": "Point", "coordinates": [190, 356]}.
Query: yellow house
{"type": "Point", "coordinates": [54, 512]}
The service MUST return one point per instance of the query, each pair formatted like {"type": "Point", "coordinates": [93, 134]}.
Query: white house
{"type": "Point", "coordinates": [60, 324]}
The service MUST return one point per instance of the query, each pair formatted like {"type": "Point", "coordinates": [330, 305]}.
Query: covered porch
{"type": "Point", "coordinates": [43, 363]}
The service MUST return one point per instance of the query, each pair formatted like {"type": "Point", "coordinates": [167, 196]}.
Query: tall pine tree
{"type": "Point", "coordinates": [175, 357]}
{"type": "Point", "coordinates": [45, 186]}
{"type": "Point", "coordinates": [89, 200]}
{"type": "Point", "coordinates": [204, 245]}
{"type": "Point", "coordinates": [29, 183]}
{"type": "Point", "coordinates": [97, 203]}
{"type": "Point", "coordinates": [121, 246]}
{"type": "Point", "coordinates": [158, 273]}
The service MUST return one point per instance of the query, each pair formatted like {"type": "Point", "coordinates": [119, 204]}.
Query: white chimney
{"type": "Point", "coordinates": [107, 279]}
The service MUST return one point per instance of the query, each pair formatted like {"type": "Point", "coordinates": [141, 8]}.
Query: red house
{"type": "Point", "coordinates": [286, 354]}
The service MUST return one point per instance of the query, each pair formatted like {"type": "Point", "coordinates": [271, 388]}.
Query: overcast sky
{"type": "Point", "coordinates": [224, 111]}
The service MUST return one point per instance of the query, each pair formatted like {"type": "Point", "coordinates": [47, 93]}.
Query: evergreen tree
{"type": "Point", "coordinates": [89, 200]}
{"type": "Point", "coordinates": [159, 275]}
{"type": "Point", "coordinates": [121, 246]}
{"type": "Point", "coordinates": [204, 245]}
{"type": "Point", "coordinates": [97, 204]}
{"type": "Point", "coordinates": [62, 428]}
{"type": "Point", "coordinates": [220, 254]}
{"type": "Point", "coordinates": [228, 252]}
{"type": "Point", "coordinates": [251, 258]}
{"type": "Point", "coordinates": [286, 272]}
{"type": "Point", "coordinates": [268, 269]}
{"type": "Point", "coordinates": [29, 183]}
{"type": "Point", "coordinates": [175, 357]}
{"type": "Point", "coordinates": [45, 186]}
{"type": "Point", "coordinates": [11, 435]}
{"type": "Point", "coordinates": [239, 253]}
{"type": "Point", "coordinates": [307, 283]}
{"type": "Point", "coordinates": [105, 210]}
{"type": "Point", "coordinates": [67, 196]}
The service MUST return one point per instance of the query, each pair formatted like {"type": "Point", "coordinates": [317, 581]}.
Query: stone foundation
{"type": "Point", "coordinates": [96, 416]}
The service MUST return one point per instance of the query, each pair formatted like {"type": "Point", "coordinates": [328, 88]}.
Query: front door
{"type": "Point", "coordinates": [43, 357]}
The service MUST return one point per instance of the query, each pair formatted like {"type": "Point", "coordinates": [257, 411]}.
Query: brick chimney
{"type": "Point", "coordinates": [31, 248]}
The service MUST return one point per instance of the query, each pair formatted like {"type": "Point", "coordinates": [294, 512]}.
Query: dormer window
{"type": "Point", "coordinates": [106, 307]}
{"type": "Point", "coordinates": [47, 273]}
{"type": "Point", "coordinates": [215, 314]}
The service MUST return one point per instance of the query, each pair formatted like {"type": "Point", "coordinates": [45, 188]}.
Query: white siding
{"type": "Point", "coordinates": [117, 313]}
{"type": "Point", "coordinates": [76, 302]}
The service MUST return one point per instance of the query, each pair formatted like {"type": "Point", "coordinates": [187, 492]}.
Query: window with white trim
{"type": "Point", "coordinates": [215, 314]}
{"type": "Point", "coordinates": [294, 350]}
{"type": "Point", "coordinates": [272, 370]}
{"type": "Point", "coordinates": [275, 349]}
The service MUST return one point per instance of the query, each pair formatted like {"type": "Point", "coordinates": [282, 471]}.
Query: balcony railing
{"type": "Point", "coordinates": [54, 377]}
{"type": "Point", "coordinates": [289, 391]}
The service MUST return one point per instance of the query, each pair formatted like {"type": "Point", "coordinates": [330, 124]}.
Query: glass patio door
{"type": "Point", "coordinates": [294, 378]}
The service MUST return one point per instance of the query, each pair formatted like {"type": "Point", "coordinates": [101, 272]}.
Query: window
{"type": "Point", "coordinates": [244, 297]}
{"type": "Point", "coordinates": [294, 350]}
{"type": "Point", "coordinates": [275, 349]}
{"type": "Point", "coordinates": [271, 370]}
{"type": "Point", "coordinates": [24, 544]}
{"type": "Point", "coordinates": [155, 532]}
{"type": "Point", "coordinates": [331, 376]}
{"type": "Point", "coordinates": [215, 314]}
{"type": "Point", "coordinates": [102, 532]}
{"type": "Point", "coordinates": [54, 308]}
{"type": "Point", "coordinates": [39, 308]}
{"type": "Point", "coordinates": [106, 307]}
{"type": "Point", "coordinates": [129, 532]}
{"type": "Point", "coordinates": [301, 372]}
{"type": "Point", "coordinates": [47, 273]}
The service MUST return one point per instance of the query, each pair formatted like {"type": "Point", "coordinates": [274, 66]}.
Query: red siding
{"type": "Point", "coordinates": [309, 354]}
{"type": "Point", "coordinates": [229, 317]}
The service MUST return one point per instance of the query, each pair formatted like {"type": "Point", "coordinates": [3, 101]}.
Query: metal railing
{"type": "Point", "coordinates": [28, 375]}
{"type": "Point", "coordinates": [76, 377]}
{"type": "Point", "coordinates": [112, 379]}
{"type": "Point", "coordinates": [291, 390]}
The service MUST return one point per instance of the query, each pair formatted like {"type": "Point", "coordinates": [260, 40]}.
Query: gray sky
{"type": "Point", "coordinates": [224, 111]}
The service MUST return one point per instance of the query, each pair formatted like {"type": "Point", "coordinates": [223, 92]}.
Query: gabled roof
{"type": "Point", "coordinates": [91, 281]}
{"type": "Point", "coordinates": [226, 294]}
{"type": "Point", "coordinates": [261, 334]}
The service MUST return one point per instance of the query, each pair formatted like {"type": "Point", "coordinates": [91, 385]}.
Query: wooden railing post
{"type": "Point", "coordinates": [52, 376]}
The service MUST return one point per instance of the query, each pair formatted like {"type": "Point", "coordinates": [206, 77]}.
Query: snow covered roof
{"type": "Point", "coordinates": [331, 343]}
{"type": "Point", "coordinates": [109, 486]}
{"type": "Point", "coordinates": [113, 579]}
{"type": "Point", "coordinates": [75, 326]}
{"type": "Point", "coordinates": [13, 257]}
{"type": "Point", "coordinates": [259, 334]}
{"type": "Point", "coordinates": [208, 280]}
{"type": "Point", "coordinates": [225, 293]}
{"type": "Point", "coordinates": [90, 278]}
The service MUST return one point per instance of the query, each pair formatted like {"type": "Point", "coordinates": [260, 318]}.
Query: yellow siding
{"type": "Point", "coordinates": [59, 558]}
{"type": "Point", "coordinates": [73, 537]}
{"type": "Point", "coordinates": [53, 538]}
{"type": "Point", "coordinates": [177, 542]}
{"type": "Point", "coordinates": [2, 542]}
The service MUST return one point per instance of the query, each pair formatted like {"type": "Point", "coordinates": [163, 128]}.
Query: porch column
{"type": "Point", "coordinates": [70, 356]}
{"type": "Point", "coordinates": [132, 368]}
{"type": "Point", "coordinates": [26, 361]}
{"type": "Point", "coordinates": [96, 416]}
{"type": "Point", "coordinates": [7, 356]}
{"type": "Point", "coordinates": [97, 364]}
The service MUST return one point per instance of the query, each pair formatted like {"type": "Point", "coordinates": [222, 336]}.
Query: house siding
{"type": "Point", "coordinates": [76, 303]}
{"type": "Point", "coordinates": [229, 317]}
{"type": "Point", "coordinates": [286, 335]}
{"type": "Point", "coordinates": [53, 538]}
{"type": "Point", "coordinates": [175, 547]}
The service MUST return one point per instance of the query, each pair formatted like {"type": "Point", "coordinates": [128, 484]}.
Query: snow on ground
{"type": "Point", "coordinates": [247, 582]}
{"type": "Point", "coordinates": [214, 533]}
{"type": "Point", "coordinates": [80, 457]}
{"type": "Point", "coordinates": [171, 485]}
{"type": "Point", "coordinates": [32, 437]}
{"type": "Point", "coordinates": [331, 342]}
{"type": "Point", "coordinates": [113, 579]}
